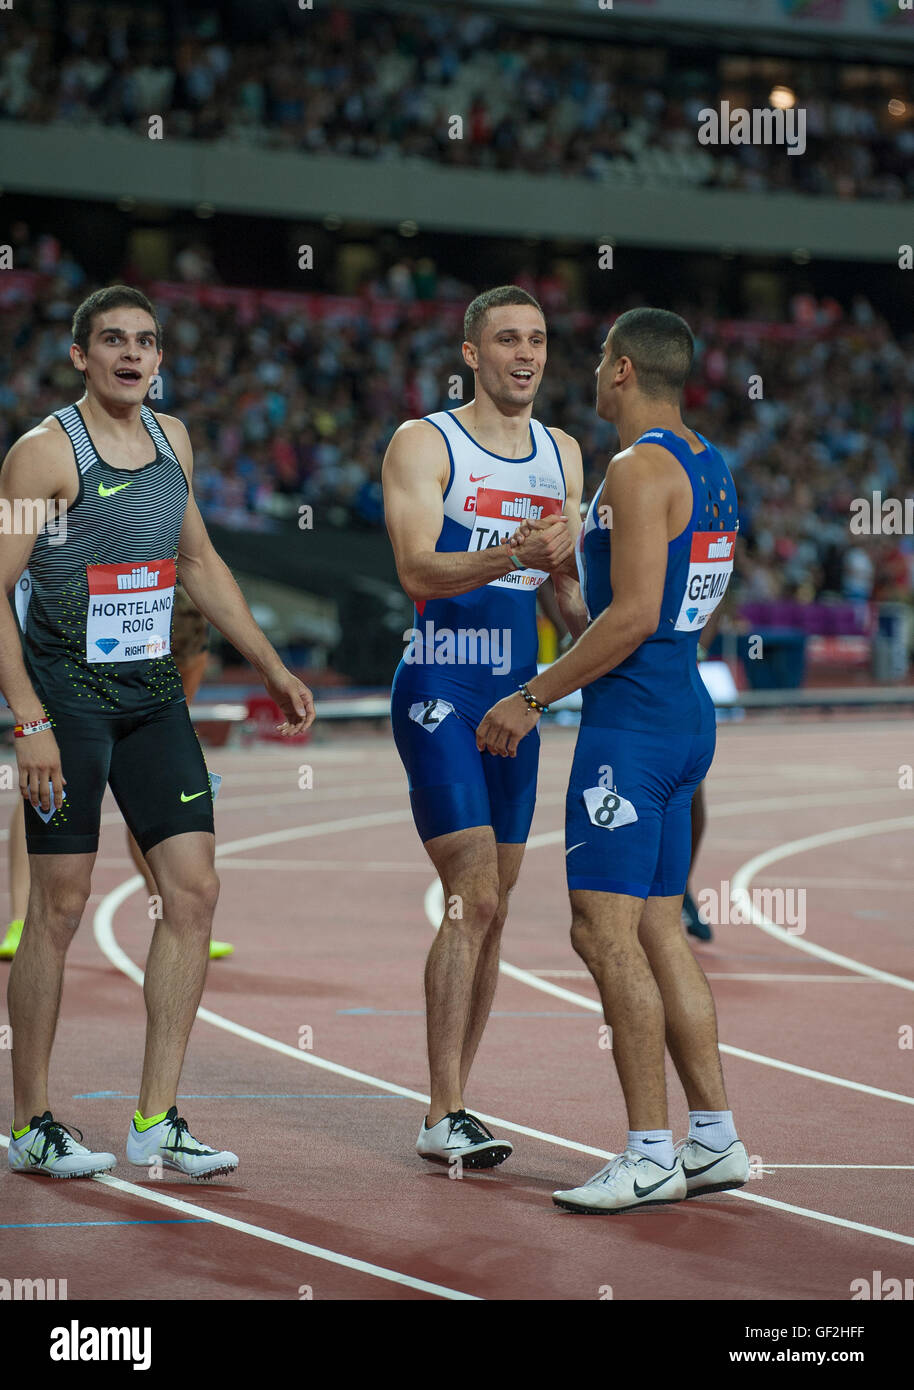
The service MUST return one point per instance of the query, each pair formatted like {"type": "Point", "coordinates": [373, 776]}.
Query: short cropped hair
{"type": "Point", "coordinates": [475, 315]}
{"type": "Point", "coordinates": [114, 297]}
{"type": "Point", "coordinates": [661, 347]}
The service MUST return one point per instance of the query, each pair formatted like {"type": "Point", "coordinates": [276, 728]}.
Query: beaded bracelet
{"type": "Point", "coordinates": [532, 701]}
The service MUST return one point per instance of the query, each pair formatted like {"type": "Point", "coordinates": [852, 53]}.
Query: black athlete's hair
{"type": "Point", "coordinates": [114, 297]}
{"type": "Point", "coordinates": [476, 312]}
{"type": "Point", "coordinates": [660, 346]}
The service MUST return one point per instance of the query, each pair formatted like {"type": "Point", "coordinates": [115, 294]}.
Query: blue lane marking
{"type": "Point", "coordinates": [496, 1013]}
{"type": "Point", "coordinates": [45, 1225]}
{"type": "Point", "coordinates": [254, 1095]}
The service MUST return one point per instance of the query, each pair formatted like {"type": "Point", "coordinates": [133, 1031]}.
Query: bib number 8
{"type": "Point", "coordinates": [604, 813]}
{"type": "Point", "coordinates": [607, 809]}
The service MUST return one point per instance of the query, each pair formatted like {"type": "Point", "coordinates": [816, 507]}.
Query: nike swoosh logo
{"type": "Point", "coordinates": [643, 1191]}
{"type": "Point", "coordinates": [703, 1124]}
{"type": "Point", "coordinates": [694, 1172]}
{"type": "Point", "coordinates": [481, 477]}
{"type": "Point", "coordinates": [193, 797]}
{"type": "Point", "coordinates": [109, 491]}
{"type": "Point", "coordinates": [568, 851]}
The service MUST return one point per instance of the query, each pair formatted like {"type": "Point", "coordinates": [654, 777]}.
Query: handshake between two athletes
{"type": "Point", "coordinates": [544, 544]}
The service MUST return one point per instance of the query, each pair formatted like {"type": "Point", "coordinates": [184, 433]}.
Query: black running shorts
{"type": "Point", "coordinates": [152, 762]}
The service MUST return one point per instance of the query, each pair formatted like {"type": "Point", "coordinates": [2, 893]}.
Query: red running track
{"type": "Point", "coordinates": [323, 895]}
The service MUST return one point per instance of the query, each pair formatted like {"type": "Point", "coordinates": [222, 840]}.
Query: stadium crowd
{"type": "Point", "coordinates": [287, 407]}
{"type": "Point", "coordinates": [380, 84]}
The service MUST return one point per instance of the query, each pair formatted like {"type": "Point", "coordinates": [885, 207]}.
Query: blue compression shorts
{"type": "Point", "coordinates": [628, 824]}
{"type": "Point", "coordinates": [453, 786]}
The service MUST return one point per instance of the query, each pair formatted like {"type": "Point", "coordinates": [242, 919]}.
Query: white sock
{"type": "Point", "coordinates": [655, 1144]}
{"type": "Point", "coordinates": [713, 1128]}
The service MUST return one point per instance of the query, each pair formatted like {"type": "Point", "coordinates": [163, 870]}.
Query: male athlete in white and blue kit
{"type": "Point", "coordinates": [456, 487]}
{"type": "Point", "coordinates": [655, 556]}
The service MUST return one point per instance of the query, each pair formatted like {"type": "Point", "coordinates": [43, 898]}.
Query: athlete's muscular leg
{"type": "Point", "coordinates": [604, 932]}
{"type": "Point", "coordinates": [486, 978]}
{"type": "Point", "coordinates": [467, 864]}
{"type": "Point", "coordinates": [60, 885]}
{"type": "Point", "coordinates": [183, 866]}
{"type": "Point", "coordinates": [691, 1020]}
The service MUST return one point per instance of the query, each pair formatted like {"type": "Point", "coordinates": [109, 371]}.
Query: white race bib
{"type": "Point", "coordinates": [497, 517]}
{"type": "Point", "coordinates": [430, 713]}
{"type": "Point", "coordinates": [710, 567]}
{"type": "Point", "coordinates": [129, 613]}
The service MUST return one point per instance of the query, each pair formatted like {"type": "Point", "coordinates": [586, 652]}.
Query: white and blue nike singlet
{"type": "Point", "coordinates": [468, 651]}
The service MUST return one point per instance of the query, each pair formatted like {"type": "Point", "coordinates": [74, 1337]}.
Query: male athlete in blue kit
{"type": "Point", "coordinates": [654, 556]}
{"type": "Point", "coordinates": [456, 487]}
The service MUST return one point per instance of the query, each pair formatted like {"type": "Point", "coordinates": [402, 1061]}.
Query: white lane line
{"type": "Point", "coordinates": [739, 892]}
{"type": "Point", "coordinates": [434, 910]}
{"type": "Point", "coordinates": [109, 946]}
{"type": "Point", "coordinates": [104, 935]}
{"type": "Point", "coordinates": [796, 803]}
{"type": "Point", "coordinates": [870, 1167]}
{"type": "Point", "coordinates": [719, 975]}
{"type": "Point", "coordinates": [348, 866]}
{"type": "Point", "coordinates": [317, 1252]}
{"type": "Point", "coordinates": [823, 1216]}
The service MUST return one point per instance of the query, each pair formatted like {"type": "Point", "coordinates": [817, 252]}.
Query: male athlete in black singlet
{"type": "Point", "coordinates": [98, 700]}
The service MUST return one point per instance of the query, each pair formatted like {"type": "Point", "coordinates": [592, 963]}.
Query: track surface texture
{"type": "Point", "coordinates": [308, 1058]}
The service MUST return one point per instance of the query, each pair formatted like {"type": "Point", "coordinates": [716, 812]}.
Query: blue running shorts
{"type": "Point", "coordinates": [628, 824]}
{"type": "Point", "coordinates": [453, 786]}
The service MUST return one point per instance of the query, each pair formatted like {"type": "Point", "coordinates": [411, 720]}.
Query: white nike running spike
{"type": "Point", "coordinates": [462, 1137]}
{"type": "Point", "coordinates": [628, 1181]}
{"type": "Point", "coordinates": [171, 1143]}
{"type": "Point", "coordinates": [48, 1147]}
{"type": "Point", "coordinates": [712, 1170]}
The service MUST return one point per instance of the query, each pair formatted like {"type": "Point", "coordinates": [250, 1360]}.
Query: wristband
{"type": "Point", "coordinates": [532, 701]}
{"type": "Point", "coordinates": [37, 726]}
{"type": "Point", "coordinates": [516, 563]}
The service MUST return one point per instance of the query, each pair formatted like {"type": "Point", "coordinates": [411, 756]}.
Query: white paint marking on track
{"type": "Point", "coordinates": [739, 892]}
{"type": "Point", "coordinates": [720, 975]}
{"type": "Point", "coordinates": [109, 946]}
{"type": "Point", "coordinates": [843, 1167]}
{"type": "Point", "coordinates": [317, 1252]}
{"type": "Point", "coordinates": [842, 1221]}
{"type": "Point", "coordinates": [434, 910]}
{"type": "Point", "coordinates": [104, 935]}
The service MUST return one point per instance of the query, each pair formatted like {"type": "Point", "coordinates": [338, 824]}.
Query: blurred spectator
{"type": "Point", "coordinates": [378, 83]}
{"type": "Point", "coordinates": [285, 407]}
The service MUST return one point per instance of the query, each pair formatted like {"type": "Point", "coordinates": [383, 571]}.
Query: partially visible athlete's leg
{"type": "Point", "coordinates": [18, 864]}
{"type": "Point", "coordinates": [509, 859]}
{"type": "Point", "coordinates": [60, 885]}
{"type": "Point", "coordinates": [459, 967]}
{"type": "Point", "coordinates": [688, 1005]}
{"type": "Point", "coordinates": [185, 875]}
{"type": "Point", "coordinates": [604, 932]}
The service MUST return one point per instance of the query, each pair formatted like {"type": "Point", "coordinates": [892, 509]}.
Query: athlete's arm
{"type": "Point", "coordinates": [33, 472]}
{"type": "Point", "coordinates": [565, 578]}
{"type": "Point", "coordinates": [414, 476]}
{"type": "Point", "coordinates": [640, 488]}
{"type": "Point", "coordinates": [212, 588]}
